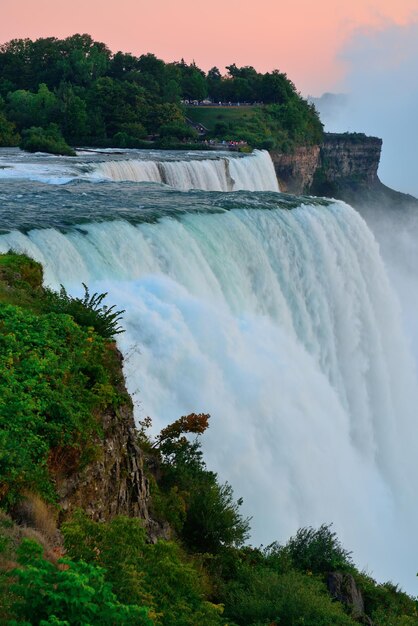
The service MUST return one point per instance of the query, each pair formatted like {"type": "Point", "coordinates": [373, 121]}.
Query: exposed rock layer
{"type": "Point", "coordinates": [345, 167]}
{"type": "Point", "coordinates": [295, 172]}
{"type": "Point", "coordinates": [115, 482]}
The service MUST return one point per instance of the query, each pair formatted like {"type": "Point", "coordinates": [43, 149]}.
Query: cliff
{"type": "Point", "coordinates": [295, 171]}
{"type": "Point", "coordinates": [81, 451]}
{"type": "Point", "coordinates": [344, 166]}
{"type": "Point", "coordinates": [114, 483]}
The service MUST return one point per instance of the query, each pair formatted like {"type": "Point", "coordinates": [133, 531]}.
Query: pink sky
{"type": "Point", "coordinates": [299, 37]}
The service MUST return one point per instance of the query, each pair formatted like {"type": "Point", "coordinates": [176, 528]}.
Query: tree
{"type": "Point", "coordinates": [32, 109]}
{"type": "Point", "coordinates": [212, 518]}
{"type": "Point", "coordinates": [318, 550]}
{"type": "Point", "coordinates": [193, 82]}
{"type": "Point", "coordinates": [38, 139]}
{"type": "Point", "coordinates": [72, 112]}
{"type": "Point", "coordinates": [8, 134]}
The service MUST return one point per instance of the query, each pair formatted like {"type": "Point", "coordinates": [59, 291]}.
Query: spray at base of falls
{"type": "Point", "coordinates": [283, 326]}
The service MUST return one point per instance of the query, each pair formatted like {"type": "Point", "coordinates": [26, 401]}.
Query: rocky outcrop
{"type": "Point", "coordinates": [342, 587]}
{"type": "Point", "coordinates": [344, 166]}
{"type": "Point", "coordinates": [349, 157]}
{"type": "Point", "coordinates": [341, 161]}
{"type": "Point", "coordinates": [295, 172]}
{"type": "Point", "coordinates": [114, 483]}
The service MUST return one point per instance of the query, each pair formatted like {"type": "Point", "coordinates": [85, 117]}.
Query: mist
{"type": "Point", "coordinates": [380, 90]}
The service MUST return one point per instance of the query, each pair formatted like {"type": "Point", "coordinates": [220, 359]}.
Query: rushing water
{"type": "Point", "coordinates": [280, 323]}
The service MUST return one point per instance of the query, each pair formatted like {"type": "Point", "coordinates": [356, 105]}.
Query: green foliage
{"type": "Point", "coordinates": [8, 134]}
{"type": "Point", "coordinates": [87, 311]}
{"type": "Point", "coordinates": [181, 132]}
{"type": "Point", "coordinates": [53, 376]}
{"type": "Point", "coordinates": [158, 575]}
{"type": "Point", "coordinates": [37, 139]}
{"type": "Point", "coordinates": [204, 512]}
{"type": "Point", "coordinates": [386, 603]}
{"type": "Point", "coordinates": [273, 126]}
{"type": "Point", "coordinates": [318, 551]}
{"type": "Point", "coordinates": [259, 596]}
{"type": "Point", "coordinates": [20, 270]}
{"type": "Point", "coordinates": [32, 109]}
{"type": "Point", "coordinates": [93, 96]}
{"type": "Point", "coordinates": [69, 593]}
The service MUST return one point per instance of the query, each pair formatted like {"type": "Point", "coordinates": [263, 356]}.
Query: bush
{"type": "Point", "coordinates": [178, 131]}
{"type": "Point", "coordinates": [54, 375]}
{"type": "Point", "coordinates": [318, 551]}
{"type": "Point", "coordinates": [255, 595]}
{"type": "Point", "coordinates": [37, 139]}
{"type": "Point", "coordinates": [159, 575]}
{"type": "Point", "coordinates": [8, 134]}
{"type": "Point", "coordinates": [72, 593]}
{"type": "Point", "coordinates": [86, 311]}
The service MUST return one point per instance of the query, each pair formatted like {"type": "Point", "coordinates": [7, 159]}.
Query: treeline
{"type": "Point", "coordinates": [96, 97]}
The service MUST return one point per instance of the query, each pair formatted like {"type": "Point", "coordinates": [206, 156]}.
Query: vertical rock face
{"type": "Point", "coordinates": [295, 172]}
{"type": "Point", "coordinates": [349, 158]}
{"type": "Point", "coordinates": [343, 162]}
{"type": "Point", "coordinates": [342, 587]}
{"type": "Point", "coordinates": [114, 483]}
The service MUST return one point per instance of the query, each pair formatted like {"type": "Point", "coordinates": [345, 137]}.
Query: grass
{"type": "Point", "coordinates": [209, 116]}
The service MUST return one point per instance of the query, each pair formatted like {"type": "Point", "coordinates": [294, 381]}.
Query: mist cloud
{"type": "Point", "coordinates": [381, 84]}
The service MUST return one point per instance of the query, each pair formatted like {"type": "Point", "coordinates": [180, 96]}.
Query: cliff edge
{"type": "Point", "coordinates": [344, 166]}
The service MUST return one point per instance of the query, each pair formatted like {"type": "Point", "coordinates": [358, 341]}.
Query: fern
{"type": "Point", "coordinates": [88, 311]}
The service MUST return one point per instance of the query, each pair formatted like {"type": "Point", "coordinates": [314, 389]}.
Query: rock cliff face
{"type": "Point", "coordinates": [295, 172]}
{"type": "Point", "coordinates": [344, 167]}
{"type": "Point", "coordinates": [341, 161]}
{"type": "Point", "coordinates": [114, 483]}
{"type": "Point", "coordinates": [346, 162]}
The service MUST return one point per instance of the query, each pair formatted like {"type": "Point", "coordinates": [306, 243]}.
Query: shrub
{"type": "Point", "coordinates": [159, 575]}
{"type": "Point", "coordinates": [72, 593]}
{"type": "Point", "coordinates": [318, 551]}
{"type": "Point", "coordinates": [87, 311]}
{"type": "Point", "coordinates": [211, 516]}
{"type": "Point", "coordinates": [54, 375]}
{"type": "Point", "coordinates": [38, 139]}
{"type": "Point", "coordinates": [178, 131]}
{"type": "Point", "coordinates": [255, 595]}
{"type": "Point", "coordinates": [8, 134]}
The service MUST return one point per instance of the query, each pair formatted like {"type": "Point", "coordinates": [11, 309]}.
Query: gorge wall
{"type": "Point", "coordinates": [345, 166]}
{"type": "Point", "coordinates": [342, 160]}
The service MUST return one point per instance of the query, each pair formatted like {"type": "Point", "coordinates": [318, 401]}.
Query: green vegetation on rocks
{"type": "Point", "coordinates": [55, 375]}
{"type": "Point", "coordinates": [59, 371]}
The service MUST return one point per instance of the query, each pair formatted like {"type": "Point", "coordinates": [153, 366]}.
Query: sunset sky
{"type": "Point", "coordinates": [301, 37]}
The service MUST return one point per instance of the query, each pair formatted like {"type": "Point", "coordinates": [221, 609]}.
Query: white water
{"type": "Point", "coordinates": [253, 173]}
{"type": "Point", "coordinates": [217, 172]}
{"type": "Point", "coordinates": [282, 325]}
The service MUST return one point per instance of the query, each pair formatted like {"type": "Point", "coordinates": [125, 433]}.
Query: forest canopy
{"type": "Point", "coordinates": [97, 97]}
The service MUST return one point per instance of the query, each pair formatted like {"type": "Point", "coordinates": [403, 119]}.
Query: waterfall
{"type": "Point", "coordinates": [283, 326]}
{"type": "Point", "coordinates": [254, 172]}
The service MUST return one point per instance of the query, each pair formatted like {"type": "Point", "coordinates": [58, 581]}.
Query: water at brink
{"type": "Point", "coordinates": [272, 313]}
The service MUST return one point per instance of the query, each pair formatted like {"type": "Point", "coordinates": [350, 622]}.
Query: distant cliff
{"type": "Point", "coordinates": [344, 166]}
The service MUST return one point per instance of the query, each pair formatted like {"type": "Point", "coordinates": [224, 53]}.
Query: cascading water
{"type": "Point", "coordinates": [212, 171]}
{"type": "Point", "coordinates": [253, 173]}
{"type": "Point", "coordinates": [282, 325]}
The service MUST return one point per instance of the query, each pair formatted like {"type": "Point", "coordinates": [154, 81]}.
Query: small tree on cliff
{"type": "Point", "coordinates": [211, 515]}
